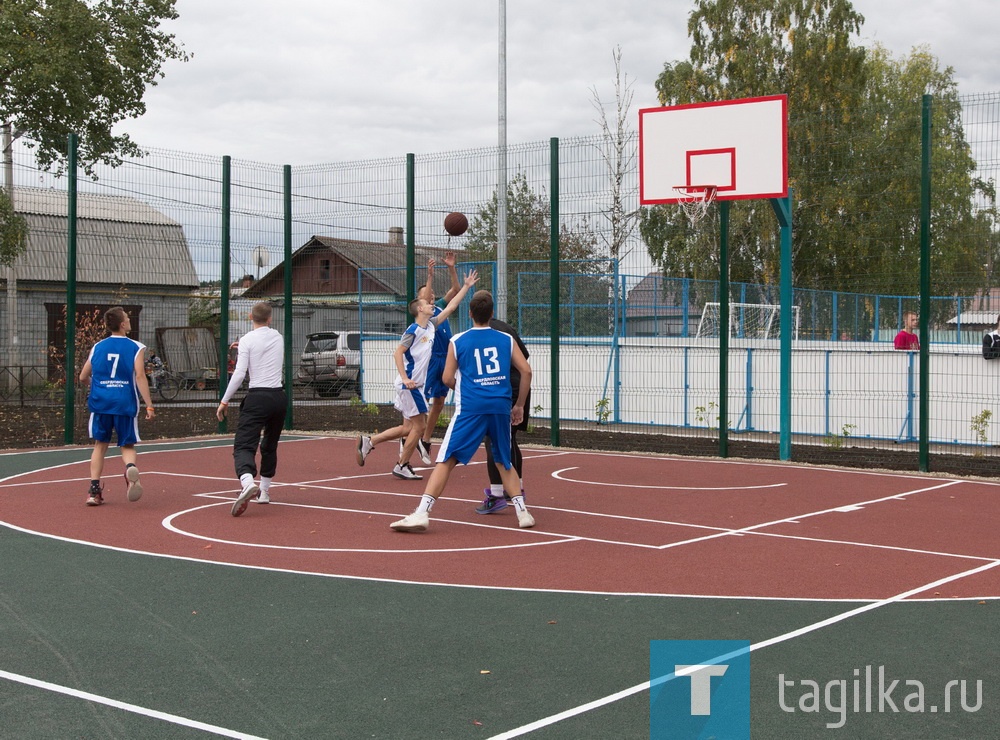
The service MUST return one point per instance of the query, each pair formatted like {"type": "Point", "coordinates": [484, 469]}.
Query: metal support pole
{"type": "Point", "coordinates": [224, 280]}
{"type": "Point", "coordinates": [289, 312]}
{"type": "Point", "coordinates": [554, 286]}
{"type": "Point", "coordinates": [69, 415]}
{"type": "Point", "coordinates": [724, 329]}
{"type": "Point", "coordinates": [925, 283]}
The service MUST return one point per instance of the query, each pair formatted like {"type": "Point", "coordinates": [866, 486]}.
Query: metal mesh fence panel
{"type": "Point", "coordinates": [152, 236]}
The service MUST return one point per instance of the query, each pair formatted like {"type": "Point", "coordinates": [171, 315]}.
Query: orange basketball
{"type": "Point", "coordinates": [456, 223]}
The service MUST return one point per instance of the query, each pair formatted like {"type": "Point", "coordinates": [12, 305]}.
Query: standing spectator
{"type": "Point", "coordinates": [435, 391]}
{"type": "Point", "coordinates": [907, 337]}
{"type": "Point", "coordinates": [412, 357]}
{"type": "Point", "coordinates": [479, 362]}
{"type": "Point", "coordinates": [496, 499]}
{"type": "Point", "coordinates": [115, 370]}
{"type": "Point", "coordinates": [261, 354]}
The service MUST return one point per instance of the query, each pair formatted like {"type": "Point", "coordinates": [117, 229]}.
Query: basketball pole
{"type": "Point", "coordinates": [724, 329]}
{"type": "Point", "coordinates": [783, 210]}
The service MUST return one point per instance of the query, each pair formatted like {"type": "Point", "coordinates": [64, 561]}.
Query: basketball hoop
{"type": "Point", "coordinates": [695, 201]}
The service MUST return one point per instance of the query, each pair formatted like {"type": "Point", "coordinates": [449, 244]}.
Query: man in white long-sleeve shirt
{"type": "Point", "coordinates": [261, 354]}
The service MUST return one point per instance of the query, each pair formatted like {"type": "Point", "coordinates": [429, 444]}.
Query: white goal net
{"type": "Point", "coordinates": [747, 321]}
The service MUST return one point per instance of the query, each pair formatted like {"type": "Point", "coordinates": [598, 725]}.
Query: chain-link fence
{"type": "Point", "coordinates": [178, 239]}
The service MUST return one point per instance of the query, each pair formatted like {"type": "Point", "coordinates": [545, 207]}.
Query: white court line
{"type": "Point", "coordinates": [558, 475]}
{"type": "Point", "coordinates": [169, 525]}
{"type": "Point", "coordinates": [135, 709]}
{"type": "Point", "coordinates": [795, 518]}
{"type": "Point", "coordinates": [638, 688]}
{"type": "Point", "coordinates": [720, 532]}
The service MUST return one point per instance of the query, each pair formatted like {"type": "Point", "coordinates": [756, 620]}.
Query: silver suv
{"type": "Point", "coordinates": [330, 362]}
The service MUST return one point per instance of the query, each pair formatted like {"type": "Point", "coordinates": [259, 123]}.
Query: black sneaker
{"type": "Point", "coordinates": [405, 472]}
{"type": "Point", "coordinates": [95, 495]}
{"type": "Point", "coordinates": [424, 449]}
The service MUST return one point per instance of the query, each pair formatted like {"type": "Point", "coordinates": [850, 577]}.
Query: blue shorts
{"type": "Point", "coordinates": [434, 387]}
{"type": "Point", "coordinates": [465, 434]}
{"type": "Point", "coordinates": [125, 427]}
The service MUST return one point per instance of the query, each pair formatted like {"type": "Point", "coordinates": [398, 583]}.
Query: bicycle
{"type": "Point", "coordinates": [168, 385]}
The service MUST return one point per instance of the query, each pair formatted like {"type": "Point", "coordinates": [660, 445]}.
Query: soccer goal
{"type": "Point", "coordinates": [747, 321]}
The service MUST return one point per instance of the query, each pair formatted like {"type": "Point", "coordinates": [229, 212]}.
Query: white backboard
{"type": "Point", "coordinates": [737, 146]}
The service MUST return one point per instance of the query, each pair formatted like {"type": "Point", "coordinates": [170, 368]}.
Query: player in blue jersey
{"type": "Point", "coordinates": [115, 370]}
{"type": "Point", "coordinates": [435, 391]}
{"type": "Point", "coordinates": [478, 368]}
{"type": "Point", "coordinates": [412, 357]}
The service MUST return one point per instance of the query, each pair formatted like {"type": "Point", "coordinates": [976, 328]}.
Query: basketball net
{"type": "Point", "coordinates": [695, 201]}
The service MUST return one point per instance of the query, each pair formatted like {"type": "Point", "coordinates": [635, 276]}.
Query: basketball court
{"type": "Point", "coordinates": [168, 617]}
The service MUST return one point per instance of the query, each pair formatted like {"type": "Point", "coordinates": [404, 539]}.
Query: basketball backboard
{"type": "Point", "coordinates": [737, 146]}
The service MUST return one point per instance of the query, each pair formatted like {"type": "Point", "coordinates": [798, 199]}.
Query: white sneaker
{"type": "Point", "coordinates": [240, 505]}
{"type": "Point", "coordinates": [263, 497]}
{"type": "Point", "coordinates": [525, 520]}
{"type": "Point", "coordinates": [365, 447]}
{"type": "Point", "coordinates": [405, 472]}
{"type": "Point", "coordinates": [413, 523]}
{"type": "Point", "coordinates": [134, 491]}
{"type": "Point", "coordinates": [424, 448]}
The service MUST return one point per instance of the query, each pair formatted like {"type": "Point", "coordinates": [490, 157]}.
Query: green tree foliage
{"type": "Point", "coordinates": [585, 280]}
{"type": "Point", "coordinates": [74, 66]}
{"type": "Point", "coordinates": [13, 232]}
{"type": "Point", "coordinates": [854, 154]}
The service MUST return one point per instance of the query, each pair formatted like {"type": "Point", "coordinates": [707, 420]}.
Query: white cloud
{"type": "Point", "coordinates": [310, 81]}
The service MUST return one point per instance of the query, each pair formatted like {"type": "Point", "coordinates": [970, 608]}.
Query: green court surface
{"type": "Point", "coordinates": [193, 649]}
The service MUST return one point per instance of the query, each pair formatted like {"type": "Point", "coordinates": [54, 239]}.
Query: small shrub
{"type": "Point", "coordinates": [836, 441]}
{"type": "Point", "coordinates": [980, 428]}
{"type": "Point", "coordinates": [603, 410]}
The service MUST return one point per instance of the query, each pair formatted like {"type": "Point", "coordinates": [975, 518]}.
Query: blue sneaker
{"type": "Point", "coordinates": [491, 504]}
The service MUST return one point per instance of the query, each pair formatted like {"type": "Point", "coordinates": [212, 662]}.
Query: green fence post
{"type": "Point", "coordinates": [69, 416]}
{"type": "Point", "coordinates": [554, 286]}
{"type": "Point", "coordinates": [925, 283]}
{"type": "Point", "coordinates": [411, 225]}
{"type": "Point", "coordinates": [224, 283]}
{"type": "Point", "coordinates": [287, 172]}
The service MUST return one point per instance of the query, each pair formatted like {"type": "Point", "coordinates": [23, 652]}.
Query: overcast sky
{"type": "Point", "coordinates": [314, 81]}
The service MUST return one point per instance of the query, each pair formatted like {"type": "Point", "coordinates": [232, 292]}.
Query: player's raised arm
{"type": "Point", "coordinates": [429, 285]}
{"type": "Point", "coordinates": [449, 260]}
{"type": "Point", "coordinates": [454, 303]}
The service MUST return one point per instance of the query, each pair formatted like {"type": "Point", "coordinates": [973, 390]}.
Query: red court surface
{"type": "Point", "coordinates": [605, 523]}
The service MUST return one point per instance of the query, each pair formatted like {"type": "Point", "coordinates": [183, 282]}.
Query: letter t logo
{"type": "Point", "coordinates": [701, 685]}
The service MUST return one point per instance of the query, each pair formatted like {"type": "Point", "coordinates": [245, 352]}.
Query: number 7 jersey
{"type": "Point", "coordinates": [112, 383]}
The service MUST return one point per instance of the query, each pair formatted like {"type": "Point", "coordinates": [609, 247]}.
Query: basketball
{"type": "Point", "coordinates": [456, 223]}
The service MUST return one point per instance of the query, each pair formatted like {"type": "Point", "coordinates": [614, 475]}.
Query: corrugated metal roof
{"type": "Point", "coordinates": [976, 318]}
{"type": "Point", "coordinates": [88, 205]}
{"type": "Point", "coordinates": [120, 241]}
{"type": "Point", "coordinates": [383, 262]}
